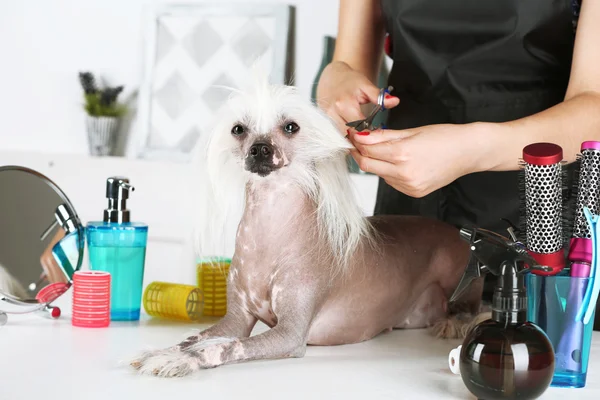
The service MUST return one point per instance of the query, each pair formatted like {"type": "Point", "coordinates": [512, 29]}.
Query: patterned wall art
{"type": "Point", "coordinates": [191, 52]}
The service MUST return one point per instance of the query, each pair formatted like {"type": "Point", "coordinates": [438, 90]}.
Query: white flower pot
{"type": "Point", "coordinates": [102, 132]}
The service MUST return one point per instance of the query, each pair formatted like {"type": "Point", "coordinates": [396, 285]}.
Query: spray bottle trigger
{"type": "Point", "coordinates": [473, 271]}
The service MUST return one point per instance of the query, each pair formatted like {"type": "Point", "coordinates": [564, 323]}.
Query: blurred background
{"type": "Point", "coordinates": [97, 88]}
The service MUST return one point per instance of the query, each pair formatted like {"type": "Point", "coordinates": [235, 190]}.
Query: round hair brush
{"type": "Point", "coordinates": [544, 236]}
{"type": "Point", "coordinates": [588, 190]}
{"type": "Point", "coordinates": [587, 186]}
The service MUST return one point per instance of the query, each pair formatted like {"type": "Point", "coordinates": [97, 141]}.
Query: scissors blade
{"type": "Point", "coordinates": [365, 124]}
{"type": "Point", "coordinates": [354, 124]}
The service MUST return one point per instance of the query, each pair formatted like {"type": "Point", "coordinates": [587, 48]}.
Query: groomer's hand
{"type": "Point", "coordinates": [342, 91]}
{"type": "Point", "coordinates": [419, 161]}
{"type": "Point", "coordinates": [53, 272]}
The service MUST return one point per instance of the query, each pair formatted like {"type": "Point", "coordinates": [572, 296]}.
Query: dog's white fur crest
{"type": "Point", "coordinates": [327, 182]}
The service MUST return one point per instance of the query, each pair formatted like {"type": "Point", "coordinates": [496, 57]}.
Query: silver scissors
{"type": "Point", "coordinates": [365, 124]}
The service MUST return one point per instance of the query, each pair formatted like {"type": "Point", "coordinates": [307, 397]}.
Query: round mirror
{"type": "Point", "coordinates": [42, 242]}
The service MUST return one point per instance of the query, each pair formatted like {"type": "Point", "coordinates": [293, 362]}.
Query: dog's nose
{"type": "Point", "coordinates": [261, 150]}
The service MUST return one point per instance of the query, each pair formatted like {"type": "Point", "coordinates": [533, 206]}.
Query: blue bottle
{"type": "Point", "coordinates": [118, 246]}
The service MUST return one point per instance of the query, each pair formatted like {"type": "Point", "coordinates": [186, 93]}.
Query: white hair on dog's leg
{"type": "Point", "coordinates": [177, 361]}
{"type": "Point", "coordinates": [169, 363]}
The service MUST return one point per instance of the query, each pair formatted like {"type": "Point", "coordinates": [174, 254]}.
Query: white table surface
{"type": "Point", "coordinates": [46, 359]}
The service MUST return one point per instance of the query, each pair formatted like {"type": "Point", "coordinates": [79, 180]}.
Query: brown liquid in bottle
{"type": "Point", "coordinates": [507, 359]}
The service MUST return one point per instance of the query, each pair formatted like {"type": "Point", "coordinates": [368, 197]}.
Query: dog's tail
{"type": "Point", "coordinates": [459, 322]}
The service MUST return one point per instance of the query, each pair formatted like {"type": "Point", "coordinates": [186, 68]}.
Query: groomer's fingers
{"type": "Point", "coordinates": [349, 111]}
{"type": "Point", "coordinates": [382, 135]}
{"type": "Point", "coordinates": [372, 93]}
{"type": "Point", "coordinates": [384, 151]}
{"type": "Point", "coordinates": [373, 166]}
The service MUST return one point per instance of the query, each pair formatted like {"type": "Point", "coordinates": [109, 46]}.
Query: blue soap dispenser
{"type": "Point", "coordinates": [118, 246]}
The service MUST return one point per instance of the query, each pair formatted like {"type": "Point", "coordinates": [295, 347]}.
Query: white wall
{"type": "Point", "coordinates": [45, 43]}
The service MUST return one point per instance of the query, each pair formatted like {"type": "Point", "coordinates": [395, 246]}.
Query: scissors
{"type": "Point", "coordinates": [365, 124]}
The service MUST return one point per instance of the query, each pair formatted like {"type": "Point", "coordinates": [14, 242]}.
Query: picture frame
{"type": "Point", "coordinates": [191, 54]}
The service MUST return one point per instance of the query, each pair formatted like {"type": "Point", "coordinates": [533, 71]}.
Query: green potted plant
{"type": "Point", "coordinates": [103, 114]}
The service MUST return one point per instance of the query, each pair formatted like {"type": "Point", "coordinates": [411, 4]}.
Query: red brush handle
{"type": "Point", "coordinates": [556, 261]}
{"type": "Point", "coordinates": [542, 154]}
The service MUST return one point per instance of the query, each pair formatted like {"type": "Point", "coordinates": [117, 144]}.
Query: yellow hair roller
{"type": "Point", "coordinates": [173, 301]}
{"type": "Point", "coordinates": [212, 280]}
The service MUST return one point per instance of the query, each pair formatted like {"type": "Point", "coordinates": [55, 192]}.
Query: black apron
{"type": "Point", "coordinates": [462, 61]}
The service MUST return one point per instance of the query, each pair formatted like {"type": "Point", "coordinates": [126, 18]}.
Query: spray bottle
{"type": "Point", "coordinates": [505, 357]}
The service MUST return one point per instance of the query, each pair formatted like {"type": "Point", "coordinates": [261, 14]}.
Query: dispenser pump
{"type": "Point", "coordinates": [117, 193]}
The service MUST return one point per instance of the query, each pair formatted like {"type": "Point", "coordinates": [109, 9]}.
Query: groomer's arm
{"type": "Point", "coordinates": [360, 36]}
{"type": "Point", "coordinates": [348, 82]}
{"type": "Point", "coordinates": [567, 124]}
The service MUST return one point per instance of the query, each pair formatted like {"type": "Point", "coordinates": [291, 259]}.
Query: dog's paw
{"type": "Point", "coordinates": [167, 363]}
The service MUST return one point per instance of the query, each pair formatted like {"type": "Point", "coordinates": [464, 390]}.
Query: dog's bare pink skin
{"type": "Point", "coordinates": [281, 272]}
{"type": "Point", "coordinates": [280, 276]}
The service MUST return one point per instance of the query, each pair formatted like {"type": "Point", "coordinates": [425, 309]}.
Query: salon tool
{"type": "Point", "coordinates": [571, 339]}
{"type": "Point", "coordinates": [542, 165]}
{"type": "Point", "coordinates": [489, 249]}
{"type": "Point", "coordinates": [30, 200]}
{"type": "Point", "coordinates": [118, 246]}
{"type": "Point", "coordinates": [91, 299]}
{"type": "Point", "coordinates": [542, 220]}
{"type": "Point", "coordinates": [588, 195]}
{"type": "Point", "coordinates": [572, 315]}
{"type": "Point", "coordinates": [173, 301]}
{"type": "Point", "coordinates": [590, 299]}
{"type": "Point", "coordinates": [212, 280]}
{"type": "Point", "coordinates": [366, 124]}
{"type": "Point", "coordinates": [570, 345]}
{"type": "Point", "coordinates": [489, 361]}
{"type": "Point", "coordinates": [51, 292]}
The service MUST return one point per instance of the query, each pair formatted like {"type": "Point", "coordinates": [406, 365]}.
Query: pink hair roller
{"type": "Point", "coordinates": [91, 299]}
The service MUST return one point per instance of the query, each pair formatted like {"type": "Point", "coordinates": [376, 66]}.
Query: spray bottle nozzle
{"type": "Point", "coordinates": [490, 252]}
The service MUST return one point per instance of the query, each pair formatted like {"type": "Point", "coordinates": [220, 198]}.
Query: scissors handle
{"type": "Point", "coordinates": [365, 124]}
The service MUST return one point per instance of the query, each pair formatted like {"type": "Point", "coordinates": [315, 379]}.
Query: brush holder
{"type": "Point", "coordinates": [212, 280]}
{"type": "Point", "coordinates": [173, 301]}
{"type": "Point", "coordinates": [561, 297]}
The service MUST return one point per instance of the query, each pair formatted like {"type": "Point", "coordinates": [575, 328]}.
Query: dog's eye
{"type": "Point", "coordinates": [237, 130]}
{"type": "Point", "coordinates": [291, 127]}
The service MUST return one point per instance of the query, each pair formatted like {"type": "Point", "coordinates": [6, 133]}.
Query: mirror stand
{"type": "Point", "coordinates": [36, 269]}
